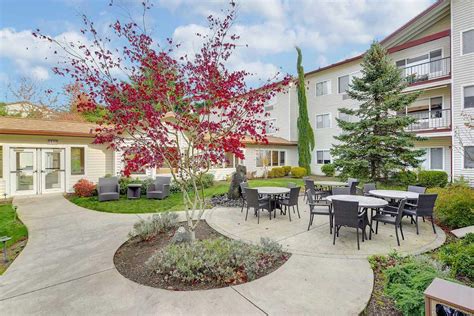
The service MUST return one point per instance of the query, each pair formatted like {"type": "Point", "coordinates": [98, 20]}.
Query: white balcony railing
{"type": "Point", "coordinates": [431, 120]}
{"type": "Point", "coordinates": [428, 71]}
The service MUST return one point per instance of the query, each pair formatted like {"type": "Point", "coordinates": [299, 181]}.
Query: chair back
{"type": "Point", "coordinates": [368, 187]}
{"type": "Point", "coordinates": [350, 180]}
{"type": "Point", "coordinates": [353, 187]}
{"type": "Point", "coordinates": [294, 194]}
{"type": "Point", "coordinates": [107, 185]}
{"type": "Point", "coordinates": [252, 197]}
{"type": "Point", "coordinates": [309, 195]}
{"type": "Point", "coordinates": [416, 189]}
{"type": "Point", "coordinates": [346, 213]}
{"type": "Point", "coordinates": [341, 191]}
{"type": "Point", "coordinates": [160, 181]}
{"type": "Point", "coordinates": [426, 203]}
{"type": "Point", "coordinates": [291, 185]}
{"type": "Point", "coordinates": [243, 186]}
{"type": "Point", "coordinates": [401, 206]}
{"type": "Point", "coordinates": [309, 184]}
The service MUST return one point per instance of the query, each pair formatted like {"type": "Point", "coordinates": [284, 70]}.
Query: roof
{"type": "Point", "coordinates": [272, 140]}
{"type": "Point", "coordinates": [25, 126]}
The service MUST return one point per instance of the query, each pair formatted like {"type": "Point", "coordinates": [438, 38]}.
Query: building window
{"type": "Point", "coordinates": [323, 121]}
{"type": "Point", "coordinates": [270, 105]}
{"type": "Point", "coordinates": [468, 42]}
{"type": "Point", "coordinates": [343, 84]}
{"type": "Point", "coordinates": [436, 159]}
{"type": "Point", "coordinates": [468, 93]}
{"type": "Point", "coordinates": [323, 157]}
{"type": "Point", "coordinates": [469, 157]}
{"type": "Point", "coordinates": [323, 88]}
{"type": "Point", "coordinates": [270, 158]}
{"type": "Point", "coordinates": [230, 161]}
{"type": "Point", "coordinates": [270, 126]}
{"type": "Point", "coordinates": [77, 160]}
{"type": "Point", "coordinates": [346, 117]}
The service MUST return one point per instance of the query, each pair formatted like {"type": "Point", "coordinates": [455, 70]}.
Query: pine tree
{"type": "Point", "coordinates": [305, 132]}
{"type": "Point", "coordinates": [375, 143]}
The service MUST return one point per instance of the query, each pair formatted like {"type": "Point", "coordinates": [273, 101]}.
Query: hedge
{"type": "Point", "coordinates": [432, 178]}
{"type": "Point", "coordinates": [298, 172]}
{"type": "Point", "coordinates": [455, 206]}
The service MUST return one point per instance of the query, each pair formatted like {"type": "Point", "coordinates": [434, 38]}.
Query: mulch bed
{"type": "Point", "coordinates": [12, 252]}
{"type": "Point", "coordinates": [130, 261]}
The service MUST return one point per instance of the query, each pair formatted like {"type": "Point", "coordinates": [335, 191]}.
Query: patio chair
{"type": "Point", "coordinates": [108, 189]}
{"type": "Point", "coordinates": [159, 189]}
{"type": "Point", "coordinates": [346, 213]}
{"type": "Point", "coordinates": [317, 193]}
{"type": "Point", "coordinates": [390, 215]}
{"type": "Point", "coordinates": [253, 201]}
{"type": "Point", "coordinates": [424, 207]}
{"type": "Point", "coordinates": [341, 191]}
{"type": "Point", "coordinates": [319, 211]}
{"type": "Point", "coordinates": [290, 202]}
{"type": "Point", "coordinates": [368, 187]}
{"type": "Point", "coordinates": [352, 184]}
{"type": "Point", "coordinates": [243, 186]}
{"type": "Point", "coordinates": [416, 189]}
{"type": "Point", "coordinates": [291, 185]}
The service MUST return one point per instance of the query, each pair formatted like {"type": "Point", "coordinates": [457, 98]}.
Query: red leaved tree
{"type": "Point", "coordinates": [184, 113]}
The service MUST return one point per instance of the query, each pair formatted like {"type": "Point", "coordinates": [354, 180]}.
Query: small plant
{"type": "Point", "coordinates": [276, 172]}
{"type": "Point", "coordinates": [455, 206]}
{"type": "Point", "coordinates": [84, 188]}
{"type": "Point", "coordinates": [298, 172]}
{"type": "Point", "coordinates": [459, 257]}
{"type": "Point", "coordinates": [287, 170]}
{"type": "Point", "coordinates": [207, 180]}
{"type": "Point", "coordinates": [147, 229]}
{"type": "Point", "coordinates": [432, 178]}
{"type": "Point", "coordinates": [328, 169]}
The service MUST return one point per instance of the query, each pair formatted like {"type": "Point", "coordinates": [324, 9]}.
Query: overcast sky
{"type": "Point", "coordinates": [326, 30]}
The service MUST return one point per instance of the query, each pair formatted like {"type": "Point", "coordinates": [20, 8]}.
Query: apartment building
{"type": "Point", "coordinates": [435, 51]}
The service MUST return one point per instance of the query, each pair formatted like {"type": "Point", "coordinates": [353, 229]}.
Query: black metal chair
{"type": "Point", "coordinates": [253, 201]}
{"type": "Point", "coordinates": [341, 191]}
{"type": "Point", "coordinates": [368, 187]}
{"type": "Point", "coordinates": [290, 202]}
{"type": "Point", "coordinates": [318, 211]}
{"type": "Point", "coordinates": [416, 189]}
{"type": "Point", "coordinates": [423, 208]}
{"type": "Point", "coordinates": [317, 193]}
{"type": "Point", "coordinates": [352, 184]}
{"type": "Point", "coordinates": [243, 195]}
{"type": "Point", "coordinates": [346, 213]}
{"type": "Point", "coordinates": [390, 215]}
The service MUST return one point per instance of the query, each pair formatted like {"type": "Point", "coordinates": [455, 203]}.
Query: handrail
{"type": "Point", "coordinates": [426, 71]}
{"type": "Point", "coordinates": [430, 120]}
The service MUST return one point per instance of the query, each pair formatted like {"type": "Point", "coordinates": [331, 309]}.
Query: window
{"type": "Point", "coordinates": [270, 158]}
{"type": "Point", "coordinates": [468, 93]}
{"type": "Point", "coordinates": [77, 160]}
{"type": "Point", "coordinates": [270, 105]}
{"type": "Point", "coordinates": [323, 157]}
{"type": "Point", "coordinates": [436, 158]}
{"type": "Point", "coordinates": [323, 121]}
{"type": "Point", "coordinates": [323, 88]}
{"type": "Point", "coordinates": [468, 42]}
{"type": "Point", "coordinates": [469, 157]}
{"type": "Point", "coordinates": [436, 107]}
{"type": "Point", "coordinates": [346, 117]}
{"type": "Point", "coordinates": [343, 84]}
{"type": "Point", "coordinates": [230, 161]}
{"type": "Point", "coordinates": [270, 127]}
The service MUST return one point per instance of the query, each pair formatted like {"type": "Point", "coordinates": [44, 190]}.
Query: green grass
{"type": "Point", "coordinates": [174, 202]}
{"type": "Point", "coordinates": [12, 227]}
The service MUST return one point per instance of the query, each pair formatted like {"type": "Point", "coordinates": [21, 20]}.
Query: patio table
{"type": "Point", "coordinates": [273, 193]}
{"type": "Point", "coordinates": [330, 183]}
{"type": "Point", "coordinates": [394, 194]}
{"type": "Point", "coordinates": [134, 190]}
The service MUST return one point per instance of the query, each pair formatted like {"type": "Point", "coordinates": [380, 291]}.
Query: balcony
{"type": "Point", "coordinates": [430, 120]}
{"type": "Point", "coordinates": [427, 71]}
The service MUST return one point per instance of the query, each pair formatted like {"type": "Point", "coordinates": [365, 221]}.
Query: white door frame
{"type": "Point", "coordinates": [44, 171]}
{"type": "Point", "coordinates": [13, 171]}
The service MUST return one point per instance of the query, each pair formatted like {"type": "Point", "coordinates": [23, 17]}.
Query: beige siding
{"type": "Point", "coordinates": [442, 25]}
{"type": "Point", "coordinates": [463, 74]}
{"type": "Point", "coordinates": [443, 43]}
{"type": "Point", "coordinates": [440, 142]}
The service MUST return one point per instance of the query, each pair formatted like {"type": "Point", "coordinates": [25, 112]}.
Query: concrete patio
{"type": "Point", "coordinates": [67, 266]}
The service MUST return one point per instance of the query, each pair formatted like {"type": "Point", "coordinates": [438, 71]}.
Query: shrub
{"type": "Point", "coordinates": [207, 180]}
{"type": "Point", "coordinates": [215, 260]}
{"type": "Point", "coordinates": [84, 188]}
{"type": "Point", "coordinates": [432, 178]}
{"type": "Point", "coordinates": [459, 256]}
{"type": "Point", "coordinates": [146, 229]}
{"type": "Point", "coordinates": [298, 172]}
{"type": "Point", "coordinates": [406, 282]}
{"type": "Point", "coordinates": [125, 181]}
{"type": "Point", "coordinates": [328, 169]}
{"type": "Point", "coordinates": [455, 206]}
{"type": "Point", "coordinates": [287, 170]}
{"type": "Point", "coordinates": [276, 172]}
{"type": "Point", "coordinates": [405, 177]}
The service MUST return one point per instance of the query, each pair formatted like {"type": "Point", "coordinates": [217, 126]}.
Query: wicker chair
{"type": "Point", "coordinates": [108, 189]}
{"type": "Point", "coordinates": [310, 188]}
{"type": "Point", "coordinates": [253, 201]}
{"type": "Point", "coordinates": [341, 191]}
{"type": "Point", "coordinates": [368, 187]}
{"type": "Point", "coordinates": [416, 189]}
{"type": "Point", "coordinates": [390, 215]}
{"type": "Point", "coordinates": [423, 208]}
{"type": "Point", "coordinates": [290, 202]}
{"type": "Point", "coordinates": [352, 184]}
{"type": "Point", "coordinates": [319, 211]}
{"type": "Point", "coordinates": [346, 213]}
{"type": "Point", "coordinates": [243, 186]}
{"type": "Point", "coordinates": [159, 189]}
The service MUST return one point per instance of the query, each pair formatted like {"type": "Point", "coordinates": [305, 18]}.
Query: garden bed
{"type": "Point", "coordinates": [12, 227]}
{"type": "Point", "coordinates": [131, 261]}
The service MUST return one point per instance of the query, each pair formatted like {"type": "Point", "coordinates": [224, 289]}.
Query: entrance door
{"type": "Point", "coordinates": [24, 171]}
{"type": "Point", "coordinates": [52, 170]}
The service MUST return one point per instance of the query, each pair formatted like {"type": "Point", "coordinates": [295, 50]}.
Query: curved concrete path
{"type": "Point", "coordinates": [67, 268]}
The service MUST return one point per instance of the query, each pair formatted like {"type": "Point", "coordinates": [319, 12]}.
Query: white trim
{"type": "Point", "coordinates": [461, 41]}
{"type": "Point", "coordinates": [321, 114]}
{"type": "Point", "coordinates": [462, 95]}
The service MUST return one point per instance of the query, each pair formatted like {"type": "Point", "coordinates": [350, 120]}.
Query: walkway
{"type": "Point", "coordinates": [67, 268]}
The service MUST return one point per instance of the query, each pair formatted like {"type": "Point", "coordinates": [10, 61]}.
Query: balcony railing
{"type": "Point", "coordinates": [428, 71]}
{"type": "Point", "coordinates": [430, 120]}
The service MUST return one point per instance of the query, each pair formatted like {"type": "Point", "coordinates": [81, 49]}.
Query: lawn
{"type": "Point", "coordinates": [12, 227]}
{"type": "Point", "coordinates": [174, 202]}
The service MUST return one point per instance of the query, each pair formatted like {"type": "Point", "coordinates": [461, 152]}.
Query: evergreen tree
{"type": "Point", "coordinates": [376, 143]}
{"type": "Point", "coordinates": [305, 132]}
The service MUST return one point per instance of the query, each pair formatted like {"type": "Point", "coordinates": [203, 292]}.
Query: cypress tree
{"type": "Point", "coordinates": [375, 143]}
{"type": "Point", "coordinates": [305, 131]}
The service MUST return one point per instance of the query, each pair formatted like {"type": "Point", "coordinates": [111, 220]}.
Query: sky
{"type": "Point", "coordinates": [326, 30]}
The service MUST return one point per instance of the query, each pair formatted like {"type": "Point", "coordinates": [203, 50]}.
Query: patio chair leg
{"type": "Point", "coordinates": [358, 245]}
{"type": "Point", "coordinates": [330, 223]}
{"type": "Point", "coordinates": [298, 209]}
{"type": "Point", "coordinates": [270, 212]}
{"type": "Point", "coordinates": [258, 216]}
{"type": "Point", "coordinates": [310, 220]}
{"type": "Point", "coordinates": [401, 231]}
{"type": "Point", "coordinates": [416, 222]}
{"type": "Point", "coordinates": [247, 214]}
{"type": "Point", "coordinates": [370, 232]}
{"type": "Point", "coordinates": [377, 227]}
{"type": "Point", "coordinates": [243, 204]}
{"type": "Point", "coordinates": [432, 224]}
{"type": "Point", "coordinates": [396, 233]}
{"type": "Point", "coordinates": [423, 219]}
{"type": "Point", "coordinates": [334, 236]}
{"type": "Point", "coordinates": [289, 213]}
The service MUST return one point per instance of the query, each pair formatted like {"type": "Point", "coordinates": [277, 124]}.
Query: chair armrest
{"type": "Point", "coordinates": [411, 205]}
{"type": "Point", "coordinates": [166, 189]}
{"type": "Point", "coordinates": [390, 207]}
{"type": "Point", "coordinates": [388, 212]}
{"type": "Point", "coordinates": [118, 188]}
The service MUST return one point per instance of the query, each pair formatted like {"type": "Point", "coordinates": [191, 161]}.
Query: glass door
{"type": "Point", "coordinates": [52, 170]}
{"type": "Point", "coordinates": [24, 172]}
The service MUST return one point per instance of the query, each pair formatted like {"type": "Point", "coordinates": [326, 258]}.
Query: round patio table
{"type": "Point", "coordinates": [394, 194]}
{"type": "Point", "coordinates": [330, 183]}
{"type": "Point", "coordinates": [364, 201]}
{"type": "Point", "coordinates": [272, 193]}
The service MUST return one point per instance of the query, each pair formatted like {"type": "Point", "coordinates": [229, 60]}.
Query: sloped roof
{"type": "Point", "coordinates": [272, 140]}
{"type": "Point", "coordinates": [25, 126]}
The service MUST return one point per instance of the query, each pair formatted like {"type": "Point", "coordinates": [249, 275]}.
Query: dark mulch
{"type": "Point", "coordinates": [130, 261]}
{"type": "Point", "coordinates": [12, 252]}
{"type": "Point", "coordinates": [223, 200]}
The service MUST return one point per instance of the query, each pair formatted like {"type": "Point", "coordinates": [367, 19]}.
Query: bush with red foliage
{"type": "Point", "coordinates": [84, 188]}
